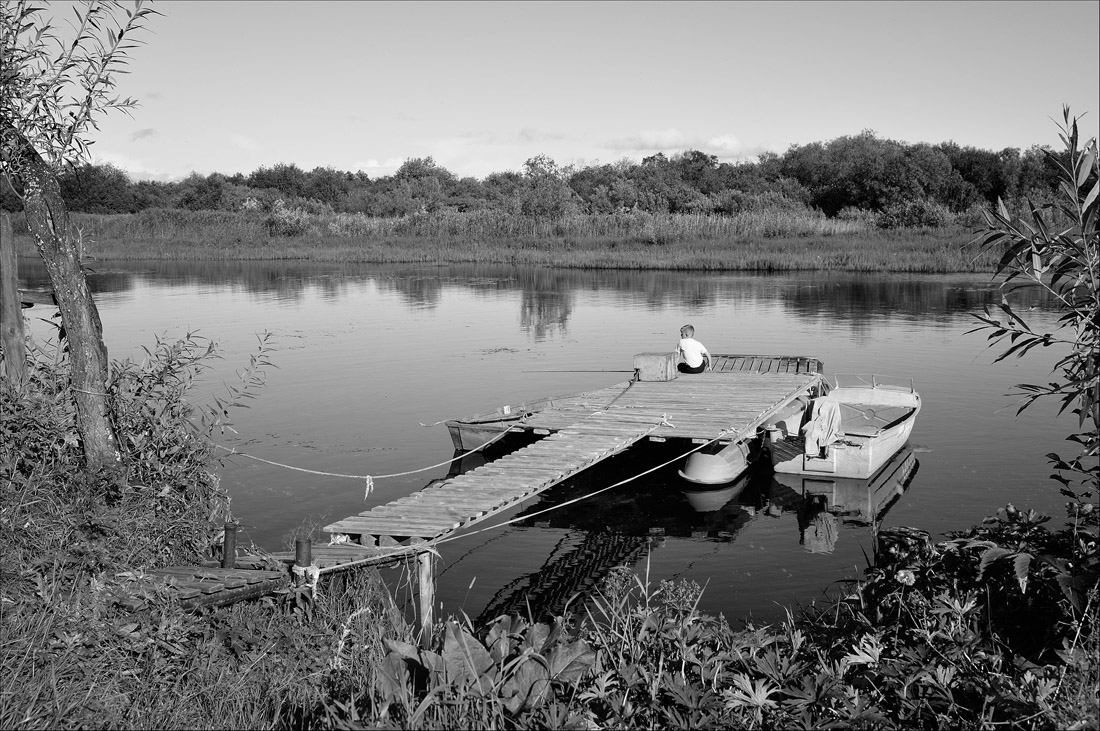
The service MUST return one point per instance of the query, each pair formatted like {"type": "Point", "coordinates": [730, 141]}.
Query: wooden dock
{"type": "Point", "coordinates": [727, 404]}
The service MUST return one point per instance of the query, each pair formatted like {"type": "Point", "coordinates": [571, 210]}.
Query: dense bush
{"type": "Point", "coordinates": [918, 213]}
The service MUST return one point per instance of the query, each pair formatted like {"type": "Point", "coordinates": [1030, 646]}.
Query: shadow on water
{"type": "Point", "coordinates": [599, 530]}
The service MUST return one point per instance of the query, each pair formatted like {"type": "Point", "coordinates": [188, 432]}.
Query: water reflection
{"type": "Point", "coordinates": [421, 292]}
{"type": "Point", "coordinates": [548, 295]}
{"type": "Point", "coordinates": [618, 527]}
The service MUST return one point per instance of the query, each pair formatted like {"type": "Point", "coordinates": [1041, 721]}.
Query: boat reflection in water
{"type": "Point", "coordinates": [707, 501]}
{"type": "Point", "coordinates": [827, 502]}
{"type": "Point", "coordinates": [593, 534]}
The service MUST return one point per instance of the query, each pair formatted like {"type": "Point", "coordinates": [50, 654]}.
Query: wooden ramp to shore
{"type": "Point", "coordinates": [476, 495]}
{"type": "Point", "coordinates": [206, 586]}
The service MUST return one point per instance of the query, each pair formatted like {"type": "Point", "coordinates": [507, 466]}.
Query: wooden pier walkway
{"type": "Point", "coordinates": [727, 404]}
{"type": "Point", "coordinates": [494, 487]}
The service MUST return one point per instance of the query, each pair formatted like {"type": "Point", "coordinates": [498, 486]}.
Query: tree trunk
{"type": "Point", "coordinates": [48, 221]}
{"type": "Point", "coordinates": [14, 367]}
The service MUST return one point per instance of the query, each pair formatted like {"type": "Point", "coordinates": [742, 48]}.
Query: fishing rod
{"type": "Point", "coordinates": [601, 370]}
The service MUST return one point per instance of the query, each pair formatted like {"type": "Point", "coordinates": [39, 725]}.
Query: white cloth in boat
{"type": "Point", "coordinates": [824, 427]}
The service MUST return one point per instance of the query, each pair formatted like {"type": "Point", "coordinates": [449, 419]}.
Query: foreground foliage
{"type": "Point", "coordinates": [1056, 248]}
{"type": "Point", "coordinates": [931, 638]}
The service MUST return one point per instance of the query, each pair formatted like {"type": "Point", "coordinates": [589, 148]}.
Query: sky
{"type": "Point", "coordinates": [481, 87]}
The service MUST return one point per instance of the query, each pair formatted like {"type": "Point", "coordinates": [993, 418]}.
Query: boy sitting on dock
{"type": "Point", "coordinates": [694, 356]}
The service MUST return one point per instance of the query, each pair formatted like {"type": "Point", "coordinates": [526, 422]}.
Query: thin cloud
{"type": "Point", "coordinates": [135, 169]}
{"type": "Point", "coordinates": [649, 141]}
{"type": "Point", "coordinates": [246, 143]}
{"type": "Point", "coordinates": [376, 169]}
{"type": "Point", "coordinates": [725, 146]}
{"type": "Point", "coordinates": [528, 135]}
{"type": "Point", "coordinates": [143, 134]}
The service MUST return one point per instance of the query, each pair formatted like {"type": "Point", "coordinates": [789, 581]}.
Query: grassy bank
{"type": "Point", "coordinates": [752, 241]}
{"type": "Point", "coordinates": [994, 628]}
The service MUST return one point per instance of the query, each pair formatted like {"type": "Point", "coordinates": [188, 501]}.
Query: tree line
{"type": "Point", "coordinates": [853, 176]}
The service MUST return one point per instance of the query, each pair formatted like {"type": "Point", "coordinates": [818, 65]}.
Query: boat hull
{"type": "Point", "coordinates": [876, 423]}
{"type": "Point", "coordinates": [476, 431]}
{"type": "Point", "coordinates": [860, 500]}
{"type": "Point", "coordinates": [719, 468]}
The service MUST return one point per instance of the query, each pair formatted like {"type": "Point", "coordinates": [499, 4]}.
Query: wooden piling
{"type": "Point", "coordinates": [426, 582]}
{"type": "Point", "coordinates": [303, 552]}
{"type": "Point", "coordinates": [229, 545]}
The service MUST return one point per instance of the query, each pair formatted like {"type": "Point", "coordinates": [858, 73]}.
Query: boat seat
{"type": "Point", "coordinates": [868, 419]}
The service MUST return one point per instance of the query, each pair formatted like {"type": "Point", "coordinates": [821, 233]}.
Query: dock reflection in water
{"type": "Point", "coordinates": [636, 522]}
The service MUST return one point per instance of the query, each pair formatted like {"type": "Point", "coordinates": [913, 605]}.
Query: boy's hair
{"type": "Point", "coordinates": [687, 331]}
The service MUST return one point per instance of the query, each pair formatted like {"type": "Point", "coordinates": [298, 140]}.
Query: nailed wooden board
{"type": "Point", "coordinates": [200, 573]}
{"type": "Point", "coordinates": [231, 596]}
{"type": "Point", "coordinates": [203, 586]}
{"type": "Point", "coordinates": [540, 465]}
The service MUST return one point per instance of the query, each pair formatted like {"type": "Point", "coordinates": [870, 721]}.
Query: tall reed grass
{"type": "Point", "coordinates": [760, 240]}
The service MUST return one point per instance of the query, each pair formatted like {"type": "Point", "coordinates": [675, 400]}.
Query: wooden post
{"type": "Point", "coordinates": [426, 581]}
{"type": "Point", "coordinates": [303, 552]}
{"type": "Point", "coordinates": [229, 545]}
{"type": "Point", "coordinates": [11, 309]}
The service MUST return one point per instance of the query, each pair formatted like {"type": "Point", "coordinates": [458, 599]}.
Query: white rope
{"type": "Point", "coordinates": [369, 479]}
{"type": "Point", "coordinates": [428, 545]}
{"type": "Point", "coordinates": [312, 575]}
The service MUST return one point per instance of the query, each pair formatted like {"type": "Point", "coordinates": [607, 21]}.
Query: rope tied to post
{"type": "Point", "coordinates": [368, 479]}
{"type": "Point", "coordinates": [311, 576]}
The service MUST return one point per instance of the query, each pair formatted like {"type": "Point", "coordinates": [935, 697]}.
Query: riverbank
{"type": "Point", "coordinates": [969, 632]}
{"type": "Point", "coordinates": [757, 241]}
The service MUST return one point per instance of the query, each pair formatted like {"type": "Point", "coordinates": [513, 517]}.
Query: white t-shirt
{"type": "Point", "coordinates": [693, 352]}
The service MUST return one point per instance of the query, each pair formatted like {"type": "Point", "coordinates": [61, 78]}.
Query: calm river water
{"type": "Point", "coordinates": [366, 355]}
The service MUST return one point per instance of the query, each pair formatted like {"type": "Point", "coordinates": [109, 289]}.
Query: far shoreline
{"type": "Point", "coordinates": [676, 243]}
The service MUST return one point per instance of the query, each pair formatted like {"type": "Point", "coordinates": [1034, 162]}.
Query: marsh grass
{"type": "Point", "coordinates": [763, 240]}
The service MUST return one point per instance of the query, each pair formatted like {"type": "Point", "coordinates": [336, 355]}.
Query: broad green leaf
{"type": "Point", "coordinates": [465, 658]}
{"type": "Point", "coordinates": [989, 558]}
{"type": "Point", "coordinates": [527, 687]}
{"type": "Point", "coordinates": [570, 662]}
{"type": "Point", "coordinates": [1021, 562]}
